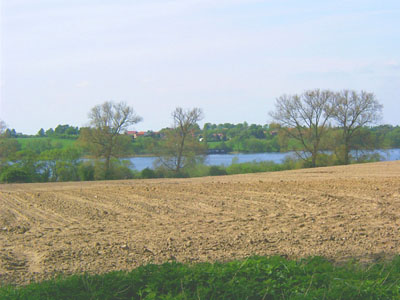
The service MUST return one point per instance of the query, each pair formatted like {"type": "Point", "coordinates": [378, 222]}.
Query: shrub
{"type": "Point", "coordinates": [15, 175]}
{"type": "Point", "coordinates": [148, 173]}
{"type": "Point", "coordinates": [86, 171]}
{"type": "Point", "coordinates": [120, 169]}
{"type": "Point", "coordinates": [217, 171]}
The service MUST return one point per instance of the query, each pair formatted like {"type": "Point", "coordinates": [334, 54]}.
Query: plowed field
{"type": "Point", "coordinates": [337, 212]}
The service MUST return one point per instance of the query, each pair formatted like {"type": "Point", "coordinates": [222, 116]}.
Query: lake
{"type": "Point", "coordinates": [141, 163]}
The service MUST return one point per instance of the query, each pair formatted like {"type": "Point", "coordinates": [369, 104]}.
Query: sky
{"type": "Point", "coordinates": [231, 58]}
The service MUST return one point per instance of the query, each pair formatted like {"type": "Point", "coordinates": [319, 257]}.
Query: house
{"type": "Point", "coordinates": [274, 132]}
{"type": "Point", "coordinates": [136, 134]}
{"type": "Point", "coordinates": [219, 137]}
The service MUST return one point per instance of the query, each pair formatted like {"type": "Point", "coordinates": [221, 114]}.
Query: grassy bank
{"type": "Point", "coordinates": [29, 143]}
{"type": "Point", "coordinates": [253, 278]}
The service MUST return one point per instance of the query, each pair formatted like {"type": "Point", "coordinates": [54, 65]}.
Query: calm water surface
{"type": "Point", "coordinates": [141, 163]}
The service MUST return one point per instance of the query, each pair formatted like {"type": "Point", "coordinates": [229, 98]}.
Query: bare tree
{"type": "Point", "coordinates": [305, 118]}
{"type": "Point", "coordinates": [181, 148]}
{"type": "Point", "coordinates": [108, 121]}
{"type": "Point", "coordinates": [352, 111]}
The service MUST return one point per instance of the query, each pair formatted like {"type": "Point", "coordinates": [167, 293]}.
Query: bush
{"type": "Point", "coordinates": [15, 175]}
{"type": "Point", "coordinates": [254, 167]}
{"type": "Point", "coordinates": [199, 170]}
{"type": "Point", "coordinates": [148, 173]}
{"type": "Point", "coordinates": [86, 171]}
{"type": "Point", "coordinates": [217, 171]}
{"type": "Point", "coordinates": [120, 169]}
{"type": "Point", "coordinates": [365, 157]}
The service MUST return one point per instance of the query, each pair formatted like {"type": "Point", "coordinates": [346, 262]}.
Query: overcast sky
{"type": "Point", "coordinates": [232, 58]}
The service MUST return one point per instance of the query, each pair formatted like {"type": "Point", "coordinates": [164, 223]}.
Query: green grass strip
{"type": "Point", "coordinates": [253, 278]}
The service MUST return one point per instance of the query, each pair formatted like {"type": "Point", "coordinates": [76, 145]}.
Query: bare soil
{"type": "Point", "coordinates": [63, 228]}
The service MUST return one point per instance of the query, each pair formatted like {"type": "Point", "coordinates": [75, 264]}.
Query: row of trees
{"type": "Point", "coordinates": [61, 131]}
{"type": "Point", "coordinates": [308, 116]}
{"type": "Point", "coordinates": [305, 118]}
{"type": "Point", "coordinates": [179, 149]}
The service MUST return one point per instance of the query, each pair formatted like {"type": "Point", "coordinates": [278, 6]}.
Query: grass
{"type": "Point", "coordinates": [61, 143]}
{"type": "Point", "coordinates": [252, 278]}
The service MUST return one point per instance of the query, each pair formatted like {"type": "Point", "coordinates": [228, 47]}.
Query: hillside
{"type": "Point", "coordinates": [337, 212]}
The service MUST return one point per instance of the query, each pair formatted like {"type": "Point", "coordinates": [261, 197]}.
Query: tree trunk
{"type": "Point", "coordinates": [346, 152]}
{"type": "Point", "coordinates": [314, 155]}
{"type": "Point", "coordinates": [107, 163]}
{"type": "Point", "coordinates": [180, 153]}
{"type": "Point", "coordinates": [314, 160]}
{"type": "Point", "coordinates": [107, 167]}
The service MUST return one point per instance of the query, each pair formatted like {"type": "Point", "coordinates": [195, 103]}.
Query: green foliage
{"type": "Point", "coordinates": [40, 162]}
{"type": "Point", "coordinates": [148, 173]}
{"type": "Point", "coordinates": [252, 278]}
{"type": "Point", "coordinates": [15, 174]}
{"type": "Point", "coordinates": [121, 169]}
{"type": "Point", "coordinates": [23, 167]}
{"type": "Point", "coordinates": [240, 138]}
{"type": "Point", "coordinates": [254, 167]}
{"type": "Point", "coordinates": [61, 132]}
{"type": "Point", "coordinates": [86, 171]}
{"type": "Point", "coordinates": [40, 144]}
{"type": "Point", "coordinates": [8, 148]}
{"type": "Point", "coordinates": [181, 148]}
{"type": "Point", "coordinates": [226, 147]}
{"type": "Point", "coordinates": [178, 153]}
{"type": "Point", "coordinates": [41, 133]}
{"type": "Point", "coordinates": [103, 139]}
{"type": "Point", "coordinates": [66, 131]}
{"type": "Point", "coordinates": [391, 136]}
{"type": "Point", "coordinates": [144, 145]}
{"type": "Point", "coordinates": [199, 170]}
{"type": "Point", "coordinates": [10, 133]}
{"type": "Point", "coordinates": [118, 169]}
{"type": "Point", "coordinates": [61, 164]}
{"type": "Point", "coordinates": [41, 159]}
{"type": "Point", "coordinates": [217, 171]}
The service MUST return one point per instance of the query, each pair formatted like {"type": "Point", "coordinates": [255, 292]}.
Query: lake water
{"type": "Point", "coordinates": [141, 163]}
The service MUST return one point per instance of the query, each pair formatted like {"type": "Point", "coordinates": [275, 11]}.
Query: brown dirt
{"type": "Point", "coordinates": [338, 212]}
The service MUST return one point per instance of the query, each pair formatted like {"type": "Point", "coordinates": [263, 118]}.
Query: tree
{"type": "Point", "coordinates": [49, 132]}
{"type": "Point", "coordinates": [60, 164]}
{"type": "Point", "coordinates": [3, 127]}
{"type": "Point", "coordinates": [10, 133]}
{"type": "Point", "coordinates": [8, 148]}
{"type": "Point", "coordinates": [305, 118]}
{"type": "Point", "coordinates": [66, 129]}
{"type": "Point", "coordinates": [41, 133]}
{"type": "Point", "coordinates": [104, 139]}
{"type": "Point", "coordinates": [352, 111]}
{"type": "Point", "coordinates": [181, 148]}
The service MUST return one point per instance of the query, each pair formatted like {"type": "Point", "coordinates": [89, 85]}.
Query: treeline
{"type": "Point", "coordinates": [61, 131]}
{"type": "Point", "coordinates": [245, 138]}
{"type": "Point", "coordinates": [226, 137]}
{"type": "Point", "coordinates": [48, 160]}
{"type": "Point", "coordinates": [303, 125]}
